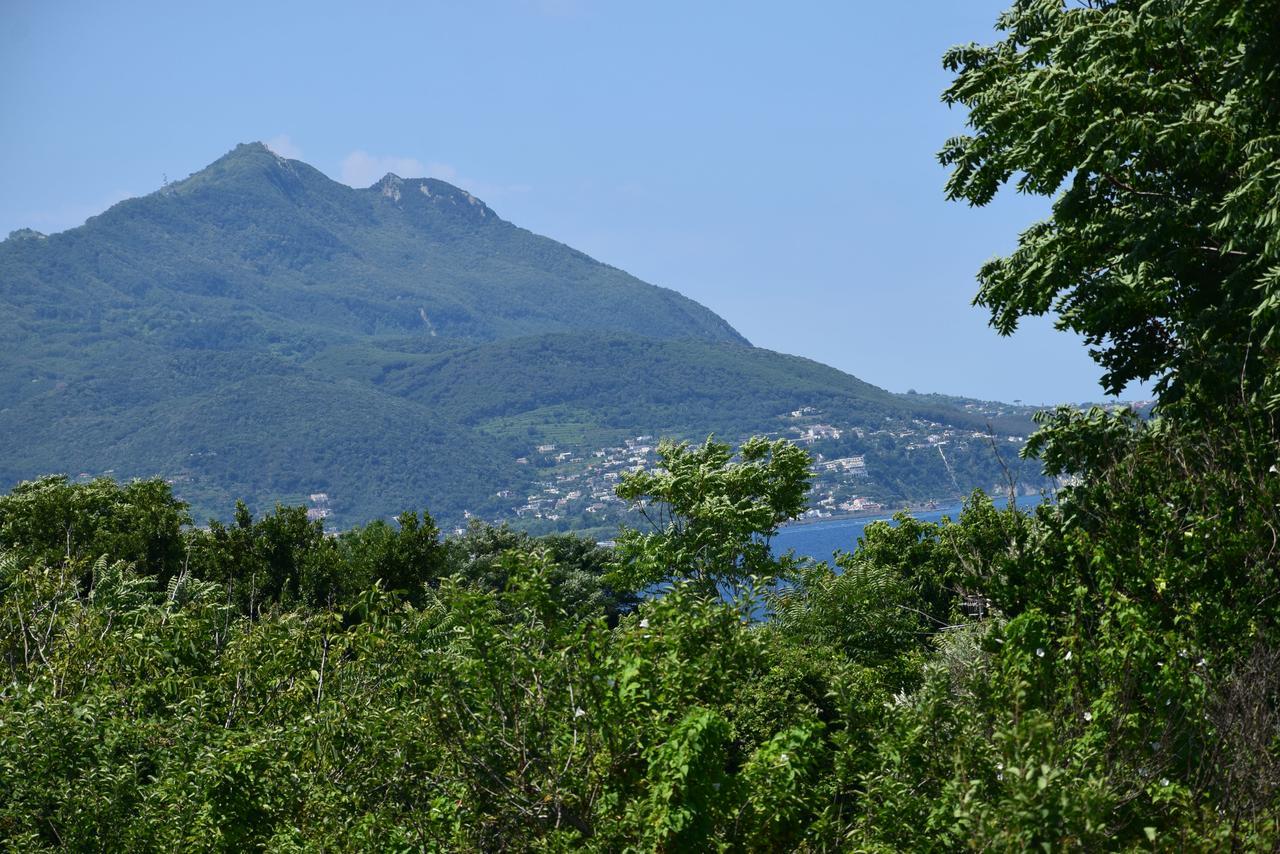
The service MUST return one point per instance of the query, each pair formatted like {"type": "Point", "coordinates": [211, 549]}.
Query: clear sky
{"type": "Point", "coordinates": [773, 161]}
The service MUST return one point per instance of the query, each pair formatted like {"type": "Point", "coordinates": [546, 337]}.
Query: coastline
{"type": "Point", "coordinates": [876, 515]}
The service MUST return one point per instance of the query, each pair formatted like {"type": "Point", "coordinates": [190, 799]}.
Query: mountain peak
{"type": "Point", "coordinates": [439, 193]}
{"type": "Point", "coordinates": [250, 152]}
{"type": "Point", "coordinates": [399, 334]}
{"type": "Point", "coordinates": [389, 185]}
{"type": "Point", "coordinates": [251, 167]}
{"type": "Point", "coordinates": [401, 256]}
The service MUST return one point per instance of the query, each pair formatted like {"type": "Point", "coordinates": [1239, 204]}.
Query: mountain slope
{"type": "Point", "coordinates": [260, 331]}
{"type": "Point", "coordinates": [256, 242]}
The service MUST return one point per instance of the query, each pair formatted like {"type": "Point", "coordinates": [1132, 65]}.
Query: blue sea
{"type": "Point", "coordinates": [819, 540]}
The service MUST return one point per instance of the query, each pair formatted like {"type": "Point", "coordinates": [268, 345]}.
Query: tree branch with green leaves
{"type": "Point", "coordinates": [711, 513]}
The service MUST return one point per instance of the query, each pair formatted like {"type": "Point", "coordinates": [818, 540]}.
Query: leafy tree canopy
{"type": "Point", "coordinates": [1157, 124]}
{"type": "Point", "coordinates": [54, 520]}
{"type": "Point", "coordinates": [712, 515]}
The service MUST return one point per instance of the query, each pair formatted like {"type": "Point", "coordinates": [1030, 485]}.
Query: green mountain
{"type": "Point", "coordinates": [260, 331]}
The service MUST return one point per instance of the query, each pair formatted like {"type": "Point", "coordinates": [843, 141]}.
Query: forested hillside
{"type": "Point", "coordinates": [261, 332]}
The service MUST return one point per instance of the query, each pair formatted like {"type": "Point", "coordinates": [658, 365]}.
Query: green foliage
{"type": "Point", "coordinates": [1156, 122]}
{"type": "Point", "coordinates": [865, 610]}
{"type": "Point", "coordinates": [134, 719]}
{"type": "Point", "coordinates": [1084, 676]}
{"type": "Point", "coordinates": [52, 519]}
{"type": "Point", "coordinates": [402, 559]}
{"type": "Point", "coordinates": [281, 558]}
{"type": "Point", "coordinates": [711, 515]}
{"type": "Point", "coordinates": [577, 570]}
{"type": "Point", "coordinates": [1102, 704]}
{"type": "Point", "coordinates": [1071, 441]}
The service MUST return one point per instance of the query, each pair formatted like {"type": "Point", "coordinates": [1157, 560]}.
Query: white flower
{"type": "Point", "coordinates": [784, 758]}
{"type": "Point", "coordinates": [1200, 663]}
{"type": "Point", "coordinates": [1067, 657]}
{"type": "Point", "coordinates": [1039, 652]}
{"type": "Point", "coordinates": [578, 712]}
{"type": "Point", "coordinates": [644, 624]}
{"type": "Point", "coordinates": [1164, 781]}
{"type": "Point", "coordinates": [1088, 716]}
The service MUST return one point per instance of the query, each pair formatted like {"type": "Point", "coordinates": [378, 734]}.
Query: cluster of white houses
{"type": "Point", "coordinates": [587, 483]}
{"type": "Point", "coordinates": [582, 482]}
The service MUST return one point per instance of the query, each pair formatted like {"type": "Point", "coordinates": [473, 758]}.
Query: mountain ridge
{"type": "Point", "coordinates": [258, 330]}
{"type": "Point", "coordinates": [289, 219]}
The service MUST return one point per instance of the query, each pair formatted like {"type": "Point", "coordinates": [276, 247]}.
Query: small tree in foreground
{"type": "Point", "coordinates": [711, 515]}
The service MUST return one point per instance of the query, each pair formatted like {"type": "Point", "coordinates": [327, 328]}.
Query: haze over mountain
{"type": "Point", "coordinates": [258, 330]}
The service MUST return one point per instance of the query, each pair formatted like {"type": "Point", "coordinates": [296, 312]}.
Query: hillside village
{"type": "Point", "coordinates": [571, 485]}
{"type": "Point", "coordinates": [574, 486]}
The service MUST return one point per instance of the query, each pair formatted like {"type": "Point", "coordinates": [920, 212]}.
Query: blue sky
{"type": "Point", "coordinates": [773, 161]}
